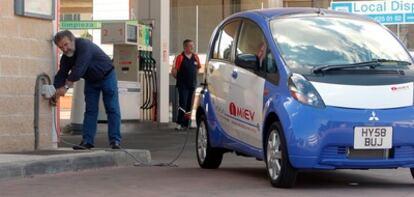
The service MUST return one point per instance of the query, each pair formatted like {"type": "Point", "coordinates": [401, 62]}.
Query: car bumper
{"type": "Point", "coordinates": [324, 138]}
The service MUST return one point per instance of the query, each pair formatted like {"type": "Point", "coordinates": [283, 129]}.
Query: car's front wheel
{"type": "Point", "coordinates": [279, 170]}
{"type": "Point", "coordinates": [412, 172]}
{"type": "Point", "coordinates": [207, 156]}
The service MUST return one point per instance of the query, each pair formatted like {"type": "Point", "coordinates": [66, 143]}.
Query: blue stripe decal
{"type": "Point", "coordinates": [242, 121]}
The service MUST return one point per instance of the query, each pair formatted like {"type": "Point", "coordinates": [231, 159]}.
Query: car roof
{"type": "Point", "coordinates": [271, 13]}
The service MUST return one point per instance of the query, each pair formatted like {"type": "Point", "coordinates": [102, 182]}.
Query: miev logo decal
{"type": "Point", "coordinates": [240, 112]}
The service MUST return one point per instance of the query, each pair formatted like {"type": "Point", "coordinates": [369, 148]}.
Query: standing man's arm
{"type": "Point", "coordinates": [60, 78]}
{"type": "Point", "coordinates": [176, 67]}
{"type": "Point", "coordinates": [83, 59]}
{"type": "Point", "coordinates": [173, 69]}
{"type": "Point", "coordinates": [198, 62]}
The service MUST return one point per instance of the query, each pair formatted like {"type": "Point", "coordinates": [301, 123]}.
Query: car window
{"type": "Point", "coordinates": [269, 64]}
{"type": "Point", "coordinates": [226, 41]}
{"type": "Point", "coordinates": [319, 41]}
{"type": "Point", "coordinates": [216, 46]}
{"type": "Point", "coordinates": [270, 68]}
{"type": "Point", "coordinates": [252, 41]}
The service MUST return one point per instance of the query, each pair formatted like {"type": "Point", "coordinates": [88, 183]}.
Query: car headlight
{"type": "Point", "coordinates": [303, 91]}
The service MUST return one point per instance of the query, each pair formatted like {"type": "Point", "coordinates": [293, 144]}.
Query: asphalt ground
{"type": "Point", "coordinates": [237, 176]}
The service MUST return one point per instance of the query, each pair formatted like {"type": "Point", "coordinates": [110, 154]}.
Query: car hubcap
{"type": "Point", "coordinates": [274, 155]}
{"type": "Point", "coordinates": [202, 142]}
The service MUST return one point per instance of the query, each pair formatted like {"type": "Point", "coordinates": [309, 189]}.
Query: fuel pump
{"type": "Point", "coordinates": [151, 78]}
{"type": "Point", "coordinates": [148, 74]}
{"type": "Point", "coordinates": [154, 77]}
{"type": "Point", "coordinates": [124, 37]}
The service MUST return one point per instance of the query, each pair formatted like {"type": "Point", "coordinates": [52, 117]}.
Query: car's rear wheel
{"type": "Point", "coordinates": [279, 170]}
{"type": "Point", "coordinates": [412, 172]}
{"type": "Point", "coordinates": [207, 156]}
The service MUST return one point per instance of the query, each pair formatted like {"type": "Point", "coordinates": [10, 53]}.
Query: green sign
{"type": "Point", "coordinates": [86, 24]}
{"type": "Point", "coordinates": [80, 25]}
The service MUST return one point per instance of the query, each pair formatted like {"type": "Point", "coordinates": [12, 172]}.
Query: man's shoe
{"type": "Point", "coordinates": [178, 128]}
{"type": "Point", "coordinates": [115, 145]}
{"type": "Point", "coordinates": [83, 146]}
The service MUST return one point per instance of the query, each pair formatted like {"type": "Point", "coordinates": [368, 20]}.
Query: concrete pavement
{"type": "Point", "coordinates": [192, 181]}
{"type": "Point", "coordinates": [26, 164]}
{"type": "Point", "coordinates": [64, 159]}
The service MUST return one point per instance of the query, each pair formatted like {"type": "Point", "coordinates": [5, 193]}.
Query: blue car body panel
{"type": "Point", "coordinates": [316, 138]}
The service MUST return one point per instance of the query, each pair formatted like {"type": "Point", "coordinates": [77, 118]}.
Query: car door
{"type": "Point", "coordinates": [247, 85]}
{"type": "Point", "coordinates": [219, 71]}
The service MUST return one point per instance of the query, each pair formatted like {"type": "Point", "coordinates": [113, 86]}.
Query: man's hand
{"type": "Point", "coordinates": [53, 100]}
{"type": "Point", "coordinates": [174, 72]}
{"type": "Point", "coordinates": [60, 92]}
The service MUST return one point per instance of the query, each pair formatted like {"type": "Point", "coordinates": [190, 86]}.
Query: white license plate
{"type": "Point", "coordinates": [372, 137]}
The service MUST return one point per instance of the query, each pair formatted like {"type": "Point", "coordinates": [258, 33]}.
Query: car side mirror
{"type": "Point", "coordinates": [247, 61]}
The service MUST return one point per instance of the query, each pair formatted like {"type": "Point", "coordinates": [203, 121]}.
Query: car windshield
{"type": "Point", "coordinates": [307, 43]}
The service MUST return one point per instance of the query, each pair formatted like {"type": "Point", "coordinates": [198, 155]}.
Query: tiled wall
{"type": "Point", "coordinates": [25, 51]}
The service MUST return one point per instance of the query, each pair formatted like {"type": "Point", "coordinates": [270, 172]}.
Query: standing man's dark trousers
{"type": "Point", "coordinates": [109, 88]}
{"type": "Point", "coordinates": [185, 100]}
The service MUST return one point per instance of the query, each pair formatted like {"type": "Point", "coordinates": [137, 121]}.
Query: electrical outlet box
{"type": "Point", "coordinates": [48, 91]}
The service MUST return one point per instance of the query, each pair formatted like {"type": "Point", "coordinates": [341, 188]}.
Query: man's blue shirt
{"type": "Point", "coordinates": [88, 62]}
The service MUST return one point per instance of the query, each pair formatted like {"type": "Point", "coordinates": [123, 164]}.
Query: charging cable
{"type": "Point", "coordinates": [48, 91]}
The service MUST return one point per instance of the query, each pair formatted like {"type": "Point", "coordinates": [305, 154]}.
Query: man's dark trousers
{"type": "Point", "coordinates": [185, 98]}
{"type": "Point", "coordinates": [109, 88]}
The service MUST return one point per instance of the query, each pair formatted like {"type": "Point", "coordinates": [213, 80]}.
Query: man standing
{"type": "Point", "coordinates": [185, 71]}
{"type": "Point", "coordinates": [83, 59]}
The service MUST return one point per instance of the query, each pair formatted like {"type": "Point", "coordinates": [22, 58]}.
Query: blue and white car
{"type": "Point", "coordinates": [306, 88]}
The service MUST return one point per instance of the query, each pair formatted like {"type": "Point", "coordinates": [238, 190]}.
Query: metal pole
{"type": "Point", "coordinates": [196, 29]}
{"type": "Point", "coordinates": [55, 67]}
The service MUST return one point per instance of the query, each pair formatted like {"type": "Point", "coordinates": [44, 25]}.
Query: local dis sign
{"type": "Point", "coordinates": [385, 11]}
{"type": "Point", "coordinates": [240, 112]}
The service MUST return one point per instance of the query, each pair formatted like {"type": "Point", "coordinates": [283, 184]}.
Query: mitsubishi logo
{"type": "Point", "coordinates": [373, 117]}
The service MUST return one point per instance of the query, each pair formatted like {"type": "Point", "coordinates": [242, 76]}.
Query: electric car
{"type": "Point", "coordinates": [306, 88]}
